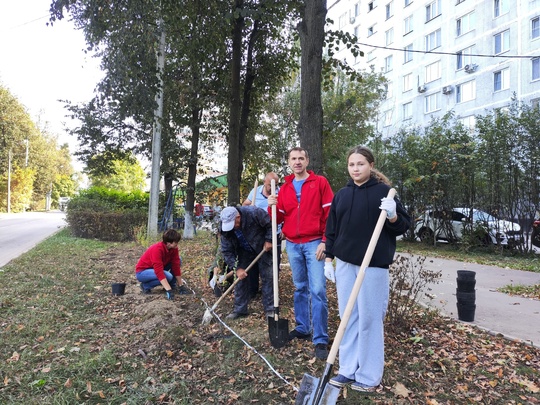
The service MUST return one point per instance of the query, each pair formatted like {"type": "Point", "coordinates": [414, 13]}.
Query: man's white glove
{"type": "Point", "coordinates": [389, 205]}
{"type": "Point", "coordinates": [329, 272]}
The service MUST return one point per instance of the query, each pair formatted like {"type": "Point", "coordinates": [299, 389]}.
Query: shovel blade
{"type": "Point", "coordinates": [307, 391]}
{"type": "Point", "coordinates": [278, 331]}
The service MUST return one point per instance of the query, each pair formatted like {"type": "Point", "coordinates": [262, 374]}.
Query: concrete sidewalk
{"type": "Point", "coordinates": [513, 317]}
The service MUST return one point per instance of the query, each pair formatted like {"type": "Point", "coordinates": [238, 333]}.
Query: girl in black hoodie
{"type": "Point", "coordinates": [353, 215]}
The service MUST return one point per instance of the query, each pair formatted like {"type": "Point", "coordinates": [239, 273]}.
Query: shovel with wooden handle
{"type": "Point", "coordinates": [315, 391]}
{"type": "Point", "coordinates": [278, 329]}
{"type": "Point", "coordinates": [207, 317]}
{"type": "Point", "coordinates": [254, 192]}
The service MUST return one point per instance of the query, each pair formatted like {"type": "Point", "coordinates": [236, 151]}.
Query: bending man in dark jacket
{"type": "Point", "coordinates": [245, 232]}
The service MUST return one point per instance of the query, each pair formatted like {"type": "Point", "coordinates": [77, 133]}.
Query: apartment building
{"type": "Point", "coordinates": [468, 56]}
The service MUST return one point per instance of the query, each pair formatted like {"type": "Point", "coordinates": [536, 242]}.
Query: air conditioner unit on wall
{"type": "Point", "coordinates": [470, 68]}
{"type": "Point", "coordinates": [447, 89]}
{"type": "Point", "coordinates": [422, 88]}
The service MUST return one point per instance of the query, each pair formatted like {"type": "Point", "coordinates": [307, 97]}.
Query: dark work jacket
{"type": "Point", "coordinates": [353, 216]}
{"type": "Point", "coordinates": [256, 225]}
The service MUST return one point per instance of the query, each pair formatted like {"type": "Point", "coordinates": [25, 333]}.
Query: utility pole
{"type": "Point", "coordinates": [9, 183]}
{"type": "Point", "coordinates": [153, 204]}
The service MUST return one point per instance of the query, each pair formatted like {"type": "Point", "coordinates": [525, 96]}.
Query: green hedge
{"type": "Point", "coordinates": [110, 215]}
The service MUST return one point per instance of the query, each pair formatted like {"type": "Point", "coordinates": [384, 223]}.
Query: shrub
{"type": "Point", "coordinates": [408, 279]}
{"type": "Point", "coordinates": [109, 215]}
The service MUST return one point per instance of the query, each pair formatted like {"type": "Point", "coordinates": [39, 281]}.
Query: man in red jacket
{"type": "Point", "coordinates": [303, 206]}
{"type": "Point", "coordinates": [160, 264]}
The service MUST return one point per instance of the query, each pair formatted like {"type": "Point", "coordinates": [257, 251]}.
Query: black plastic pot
{"type": "Point", "coordinates": [118, 288]}
{"type": "Point", "coordinates": [466, 312]}
{"type": "Point", "coordinates": [466, 297]}
{"type": "Point", "coordinates": [466, 275]}
{"type": "Point", "coordinates": [465, 285]}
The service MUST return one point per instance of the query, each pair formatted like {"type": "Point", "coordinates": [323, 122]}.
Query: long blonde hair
{"type": "Point", "coordinates": [368, 154]}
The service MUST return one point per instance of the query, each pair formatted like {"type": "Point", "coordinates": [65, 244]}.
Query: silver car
{"type": "Point", "coordinates": [450, 226]}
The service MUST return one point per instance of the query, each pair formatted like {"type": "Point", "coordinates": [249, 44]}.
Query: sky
{"type": "Point", "coordinates": [40, 64]}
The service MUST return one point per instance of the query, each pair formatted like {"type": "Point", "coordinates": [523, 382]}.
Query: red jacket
{"type": "Point", "coordinates": [304, 221]}
{"type": "Point", "coordinates": [157, 257]}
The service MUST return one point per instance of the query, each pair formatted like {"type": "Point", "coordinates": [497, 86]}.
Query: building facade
{"type": "Point", "coordinates": [469, 56]}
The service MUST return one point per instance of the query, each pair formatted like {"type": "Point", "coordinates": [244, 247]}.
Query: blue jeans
{"type": "Point", "coordinates": [310, 304]}
{"type": "Point", "coordinates": [149, 279]}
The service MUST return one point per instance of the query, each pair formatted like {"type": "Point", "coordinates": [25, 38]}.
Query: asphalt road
{"type": "Point", "coordinates": [514, 317]}
{"type": "Point", "coordinates": [20, 232]}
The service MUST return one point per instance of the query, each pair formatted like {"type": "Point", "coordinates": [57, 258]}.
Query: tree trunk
{"type": "Point", "coordinates": [234, 159]}
{"type": "Point", "coordinates": [246, 101]}
{"type": "Point", "coordinates": [310, 125]}
{"type": "Point", "coordinates": [192, 171]}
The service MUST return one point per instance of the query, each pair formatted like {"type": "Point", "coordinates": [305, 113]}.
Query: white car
{"type": "Point", "coordinates": [450, 226]}
{"type": "Point", "coordinates": [63, 203]}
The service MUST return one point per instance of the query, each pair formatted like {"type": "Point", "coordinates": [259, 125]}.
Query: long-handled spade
{"type": "Point", "coordinates": [207, 317]}
{"type": "Point", "coordinates": [315, 391]}
{"type": "Point", "coordinates": [278, 329]}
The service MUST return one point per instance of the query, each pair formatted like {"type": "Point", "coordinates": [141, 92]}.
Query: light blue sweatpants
{"type": "Point", "coordinates": [361, 352]}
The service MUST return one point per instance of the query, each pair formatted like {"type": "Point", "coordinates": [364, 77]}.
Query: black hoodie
{"type": "Point", "coordinates": [353, 216]}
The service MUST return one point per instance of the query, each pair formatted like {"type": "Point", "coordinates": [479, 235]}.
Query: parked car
{"type": "Point", "coordinates": [535, 237]}
{"type": "Point", "coordinates": [451, 225]}
{"type": "Point", "coordinates": [208, 212]}
{"type": "Point", "coordinates": [63, 203]}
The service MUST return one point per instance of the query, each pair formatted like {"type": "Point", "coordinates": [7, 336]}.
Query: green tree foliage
{"type": "Point", "coordinates": [494, 168]}
{"type": "Point", "coordinates": [127, 175]}
{"type": "Point", "coordinates": [37, 161]}
{"type": "Point", "coordinates": [350, 106]}
{"type": "Point", "coordinates": [198, 80]}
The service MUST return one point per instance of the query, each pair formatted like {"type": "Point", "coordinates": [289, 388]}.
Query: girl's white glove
{"type": "Point", "coordinates": [389, 205]}
{"type": "Point", "coordinates": [329, 272]}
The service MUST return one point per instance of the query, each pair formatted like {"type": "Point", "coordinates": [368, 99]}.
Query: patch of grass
{"type": "Point", "coordinates": [531, 291]}
{"type": "Point", "coordinates": [66, 340]}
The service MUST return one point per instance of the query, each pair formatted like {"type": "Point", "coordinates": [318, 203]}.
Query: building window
{"type": "Point", "coordinates": [466, 91]}
{"type": "Point", "coordinates": [371, 6]}
{"type": "Point", "coordinates": [459, 1]}
{"type": "Point", "coordinates": [431, 103]}
{"type": "Point", "coordinates": [407, 82]}
{"type": "Point", "coordinates": [535, 28]}
{"type": "Point", "coordinates": [342, 22]}
{"type": "Point", "coordinates": [389, 90]}
{"type": "Point", "coordinates": [433, 40]}
{"type": "Point", "coordinates": [465, 24]}
{"type": "Point", "coordinates": [356, 31]}
{"type": "Point", "coordinates": [389, 10]}
{"type": "Point", "coordinates": [370, 56]}
{"type": "Point", "coordinates": [407, 111]}
{"type": "Point", "coordinates": [536, 68]}
{"type": "Point", "coordinates": [387, 120]}
{"type": "Point", "coordinates": [433, 71]}
{"type": "Point", "coordinates": [464, 57]}
{"type": "Point", "coordinates": [501, 80]}
{"type": "Point", "coordinates": [468, 122]}
{"type": "Point", "coordinates": [501, 7]}
{"type": "Point", "coordinates": [502, 42]}
{"type": "Point", "coordinates": [389, 36]}
{"type": "Point", "coordinates": [371, 31]}
{"type": "Point", "coordinates": [388, 62]}
{"type": "Point", "coordinates": [407, 2]}
{"type": "Point", "coordinates": [408, 25]}
{"type": "Point", "coordinates": [408, 54]}
{"type": "Point", "coordinates": [433, 10]}
{"type": "Point", "coordinates": [357, 9]}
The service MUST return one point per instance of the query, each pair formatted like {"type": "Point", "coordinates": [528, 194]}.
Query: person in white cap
{"type": "Point", "coordinates": [245, 232]}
